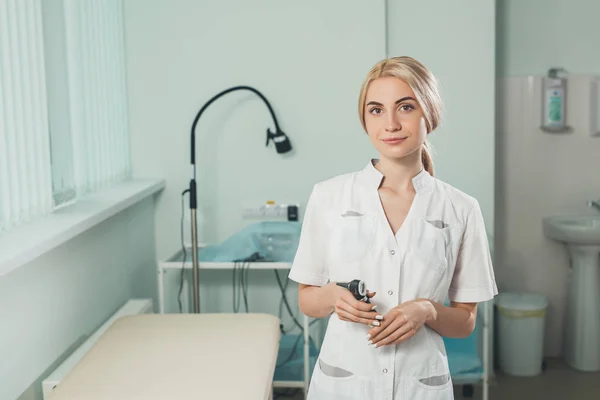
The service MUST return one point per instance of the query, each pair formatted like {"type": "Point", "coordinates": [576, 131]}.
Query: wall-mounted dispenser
{"type": "Point", "coordinates": [595, 108]}
{"type": "Point", "coordinates": [554, 95]}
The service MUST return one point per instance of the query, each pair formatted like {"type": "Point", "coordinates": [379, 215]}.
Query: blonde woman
{"type": "Point", "coordinates": [413, 239]}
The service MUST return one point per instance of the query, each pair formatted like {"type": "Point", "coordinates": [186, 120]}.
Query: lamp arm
{"type": "Point", "coordinates": [215, 97]}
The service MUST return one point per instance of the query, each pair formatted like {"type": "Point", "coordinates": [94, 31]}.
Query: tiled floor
{"type": "Point", "coordinates": [558, 382]}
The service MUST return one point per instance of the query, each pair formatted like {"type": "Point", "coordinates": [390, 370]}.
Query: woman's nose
{"type": "Point", "coordinates": [393, 124]}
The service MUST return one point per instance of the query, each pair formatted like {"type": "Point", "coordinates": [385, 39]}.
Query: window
{"type": "Point", "coordinates": [25, 179]}
{"type": "Point", "coordinates": [63, 104]}
{"type": "Point", "coordinates": [95, 52]}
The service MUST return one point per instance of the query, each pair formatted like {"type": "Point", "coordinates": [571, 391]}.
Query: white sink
{"type": "Point", "coordinates": [575, 229]}
{"type": "Point", "coordinates": [581, 235]}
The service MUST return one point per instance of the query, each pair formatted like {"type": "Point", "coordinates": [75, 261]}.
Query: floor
{"type": "Point", "coordinates": [558, 382]}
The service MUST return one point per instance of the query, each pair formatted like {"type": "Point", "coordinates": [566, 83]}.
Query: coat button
{"type": "Point", "coordinates": [385, 370]}
{"type": "Point", "coordinates": [390, 292]}
{"type": "Point", "coordinates": [392, 252]}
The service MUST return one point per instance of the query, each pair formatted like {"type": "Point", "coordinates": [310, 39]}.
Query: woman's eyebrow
{"type": "Point", "coordinates": [375, 103]}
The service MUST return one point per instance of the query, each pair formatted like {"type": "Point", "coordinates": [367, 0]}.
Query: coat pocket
{"type": "Point", "coordinates": [431, 243]}
{"type": "Point", "coordinates": [327, 387]}
{"type": "Point", "coordinates": [429, 388]}
{"type": "Point", "coordinates": [352, 235]}
{"type": "Point", "coordinates": [427, 261]}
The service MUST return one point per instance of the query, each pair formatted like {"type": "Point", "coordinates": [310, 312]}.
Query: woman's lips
{"type": "Point", "coordinates": [393, 140]}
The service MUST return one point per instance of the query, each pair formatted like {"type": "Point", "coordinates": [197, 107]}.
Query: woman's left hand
{"type": "Point", "coordinates": [401, 323]}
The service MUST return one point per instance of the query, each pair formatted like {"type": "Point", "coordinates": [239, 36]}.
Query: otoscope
{"type": "Point", "coordinates": [357, 288]}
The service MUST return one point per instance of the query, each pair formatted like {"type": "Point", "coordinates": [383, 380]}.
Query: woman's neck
{"type": "Point", "coordinates": [399, 173]}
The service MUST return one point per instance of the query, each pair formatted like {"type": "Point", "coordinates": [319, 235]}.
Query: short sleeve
{"type": "Point", "coordinates": [473, 280]}
{"type": "Point", "coordinates": [308, 266]}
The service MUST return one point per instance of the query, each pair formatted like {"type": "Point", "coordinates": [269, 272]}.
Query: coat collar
{"type": "Point", "coordinates": [372, 177]}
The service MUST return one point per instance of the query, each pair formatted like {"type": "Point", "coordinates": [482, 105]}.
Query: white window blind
{"type": "Point", "coordinates": [99, 127]}
{"type": "Point", "coordinates": [25, 178]}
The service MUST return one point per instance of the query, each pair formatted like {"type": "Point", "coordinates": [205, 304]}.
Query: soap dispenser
{"type": "Point", "coordinates": [554, 94]}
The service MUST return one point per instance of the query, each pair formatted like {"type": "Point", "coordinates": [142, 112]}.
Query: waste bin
{"type": "Point", "coordinates": [521, 321]}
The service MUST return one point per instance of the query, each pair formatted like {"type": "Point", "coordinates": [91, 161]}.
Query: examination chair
{"type": "Point", "coordinates": [177, 357]}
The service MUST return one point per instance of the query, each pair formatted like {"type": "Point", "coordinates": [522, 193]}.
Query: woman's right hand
{"type": "Point", "coordinates": [348, 308]}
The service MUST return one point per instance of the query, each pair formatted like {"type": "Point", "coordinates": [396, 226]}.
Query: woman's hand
{"type": "Point", "coordinates": [348, 308]}
{"type": "Point", "coordinates": [402, 322]}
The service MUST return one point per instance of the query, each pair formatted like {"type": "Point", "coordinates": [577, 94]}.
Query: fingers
{"type": "Point", "coordinates": [348, 316]}
{"type": "Point", "coordinates": [403, 333]}
{"type": "Point", "coordinates": [348, 298]}
{"type": "Point", "coordinates": [352, 314]}
{"type": "Point", "coordinates": [388, 327]}
{"type": "Point", "coordinates": [371, 294]}
{"type": "Point", "coordinates": [407, 335]}
{"type": "Point", "coordinates": [394, 333]}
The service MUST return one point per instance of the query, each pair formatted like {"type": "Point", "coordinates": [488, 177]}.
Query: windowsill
{"type": "Point", "coordinates": [24, 244]}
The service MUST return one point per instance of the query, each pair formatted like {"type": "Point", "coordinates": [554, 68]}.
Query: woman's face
{"type": "Point", "coordinates": [394, 120]}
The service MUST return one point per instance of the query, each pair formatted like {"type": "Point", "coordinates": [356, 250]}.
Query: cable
{"type": "Point", "coordinates": [184, 253]}
{"type": "Point", "coordinates": [292, 353]}
{"type": "Point", "coordinates": [296, 322]}
{"type": "Point", "coordinates": [236, 288]}
{"type": "Point", "coordinates": [281, 304]}
{"type": "Point", "coordinates": [241, 270]}
{"type": "Point", "coordinates": [287, 305]}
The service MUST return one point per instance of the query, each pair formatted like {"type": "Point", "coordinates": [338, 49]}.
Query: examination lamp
{"type": "Point", "coordinates": [282, 145]}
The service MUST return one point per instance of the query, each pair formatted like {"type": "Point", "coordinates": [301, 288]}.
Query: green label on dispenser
{"type": "Point", "coordinates": [554, 109]}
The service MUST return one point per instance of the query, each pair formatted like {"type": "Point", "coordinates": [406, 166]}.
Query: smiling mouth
{"type": "Point", "coordinates": [393, 140]}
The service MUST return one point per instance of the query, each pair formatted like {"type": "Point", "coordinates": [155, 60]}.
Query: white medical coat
{"type": "Point", "coordinates": [440, 252]}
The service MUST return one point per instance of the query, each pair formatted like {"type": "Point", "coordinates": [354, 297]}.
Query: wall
{"type": "Point", "coordinates": [456, 40]}
{"type": "Point", "coordinates": [457, 44]}
{"type": "Point", "coordinates": [536, 35]}
{"type": "Point", "coordinates": [541, 174]}
{"type": "Point", "coordinates": [50, 305]}
{"type": "Point", "coordinates": [307, 58]}
{"type": "Point", "coordinates": [309, 61]}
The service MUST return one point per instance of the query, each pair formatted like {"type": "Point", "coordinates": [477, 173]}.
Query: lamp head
{"type": "Point", "coordinates": [282, 142]}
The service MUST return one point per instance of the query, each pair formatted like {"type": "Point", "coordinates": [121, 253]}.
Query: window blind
{"type": "Point", "coordinates": [25, 177]}
{"type": "Point", "coordinates": [96, 66]}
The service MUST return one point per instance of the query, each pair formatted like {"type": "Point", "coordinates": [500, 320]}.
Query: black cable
{"type": "Point", "coordinates": [292, 353]}
{"type": "Point", "coordinates": [287, 305]}
{"type": "Point", "coordinates": [241, 270]}
{"type": "Point", "coordinates": [236, 288]}
{"type": "Point", "coordinates": [184, 253]}
{"type": "Point", "coordinates": [281, 304]}
{"type": "Point", "coordinates": [297, 323]}
{"type": "Point", "coordinates": [245, 285]}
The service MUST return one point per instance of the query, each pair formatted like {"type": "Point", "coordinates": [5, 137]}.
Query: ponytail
{"type": "Point", "coordinates": [426, 158]}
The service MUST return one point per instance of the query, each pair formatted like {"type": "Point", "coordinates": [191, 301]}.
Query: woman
{"type": "Point", "coordinates": [413, 239]}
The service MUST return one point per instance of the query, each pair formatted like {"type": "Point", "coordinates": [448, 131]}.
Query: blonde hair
{"type": "Point", "coordinates": [423, 84]}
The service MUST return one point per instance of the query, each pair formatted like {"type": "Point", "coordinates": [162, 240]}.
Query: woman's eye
{"type": "Point", "coordinates": [406, 107]}
{"type": "Point", "coordinates": [376, 110]}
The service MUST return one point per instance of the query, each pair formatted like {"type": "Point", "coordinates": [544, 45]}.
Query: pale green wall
{"type": "Point", "coordinates": [308, 59]}
{"type": "Point", "coordinates": [313, 77]}
{"type": "Point", "coordinates": [538, 34]}
{"type": "Point", "coordinates": [52, 303]}
{"type": "Point", "coordinates": [456, 40]}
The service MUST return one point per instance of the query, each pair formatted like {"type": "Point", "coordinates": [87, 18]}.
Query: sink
{"type": "Point", "coordinates": [581, 236]}
{"type": "Point", "coordinates": [576, 229]}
